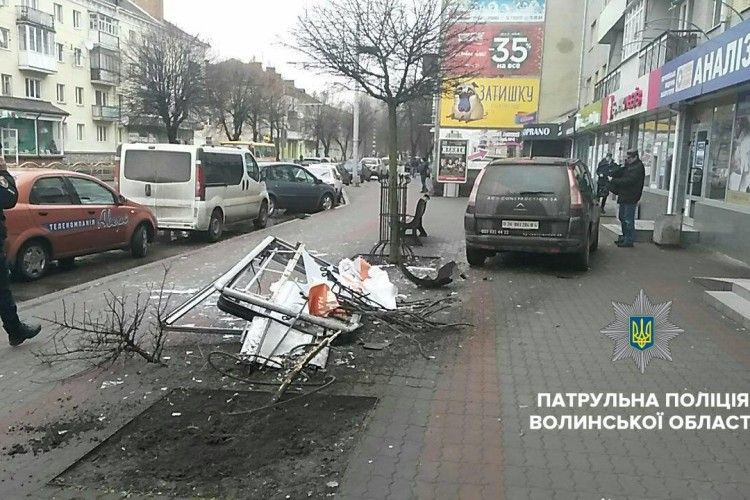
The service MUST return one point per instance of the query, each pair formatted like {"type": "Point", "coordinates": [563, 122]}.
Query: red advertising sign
{"type": "Point", "coordinates": [493, 50]}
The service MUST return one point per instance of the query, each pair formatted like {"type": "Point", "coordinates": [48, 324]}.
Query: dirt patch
{"type": "Point", "coordinates": [186, 445]}
{"type": "Point", "coordinates": [43, 438]}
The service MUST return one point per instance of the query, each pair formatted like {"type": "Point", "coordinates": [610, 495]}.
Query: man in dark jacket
{"type": "Point", "coordinates": [424, 173]}
{"type": "Point", "coordinates": [18, 331]}
{"type": "Point", "coordinates": [603, 171]}
{"type": "Point", "coordinates": [627, 183]}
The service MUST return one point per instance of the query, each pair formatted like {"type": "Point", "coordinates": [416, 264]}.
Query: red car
{"type": "Point", "coordinates": [62, 215]}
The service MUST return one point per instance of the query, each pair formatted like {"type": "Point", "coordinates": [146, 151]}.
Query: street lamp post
{"type": "Point", "coordinates": [355, 145]}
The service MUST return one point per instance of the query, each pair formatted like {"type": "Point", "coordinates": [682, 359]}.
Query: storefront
{"type": "Point", "coordinates": [31, 129]}
{"type": "Point", "coordinates": [703, 108]}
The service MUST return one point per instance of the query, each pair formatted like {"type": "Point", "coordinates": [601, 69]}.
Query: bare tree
{"type": "Point", "coordinates": [345, 132]}
{"type": "Point", "coordinates": [276, 109]}
{"type": "Point", "coordinates": [382, 46]}
{"type": "Point", "coordinates": [232, 91]}
{"type": "Point", "coordinates": [415, 137]}
{"type": "Point", "coordinates": [165, 77]}
{"type": "Point", "coordinates": [124, 326]}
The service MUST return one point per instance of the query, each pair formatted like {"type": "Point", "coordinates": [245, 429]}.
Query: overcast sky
{"type": "Point", "coordinates": [247, 30]}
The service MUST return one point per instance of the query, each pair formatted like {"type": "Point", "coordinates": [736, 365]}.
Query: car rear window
{"type": "Point", "coordinates": [157, 166]}
{"type": "Point", "coordinates": [514, 179]}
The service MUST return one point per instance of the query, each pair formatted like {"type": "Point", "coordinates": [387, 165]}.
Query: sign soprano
{"type": "Point", "coordinates": [453, 163]}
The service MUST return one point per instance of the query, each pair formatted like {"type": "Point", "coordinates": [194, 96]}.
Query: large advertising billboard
{"type": "Point", "coordinates": [503, 49]}
{"type": "Point", "coordinates": [507, 11]}
{"type": "Point", "coordinates": [490, 103]}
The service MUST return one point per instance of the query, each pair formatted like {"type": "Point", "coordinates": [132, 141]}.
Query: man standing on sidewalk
{"type": "Point", "coordinates": [627, 184]}
{"type": "Point", "coordinates": [18, 331]}
{"type": "Point", "coordinates": [424, 173]}
{"type": "Point", "coordinates": [603, 171]}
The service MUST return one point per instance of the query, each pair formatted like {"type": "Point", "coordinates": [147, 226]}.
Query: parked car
{"type": "Point", "coordinates": [294, 188]}
{"type": "Point", "coordinates": [61, 215]}
{"type": "Point", "coordinates": [194, 188]}
{"type": "Point", "coordinates": [544, 205]}
{"type": "Point", "coordinates": [314, 160]}
{"type": "Point", "coordinates": [364, 171]}
{"type": "Point", "coordinates": [328, 173]}
{"type": "Point", "coordinates": [346, 175]}
{"type": "Point", "coordinates": [374, 167]}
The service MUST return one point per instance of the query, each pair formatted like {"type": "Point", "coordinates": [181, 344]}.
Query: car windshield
{"type": "Point", "coordinates": [320, 171]}
{"type": "Point", "coordinates": [527, 179]}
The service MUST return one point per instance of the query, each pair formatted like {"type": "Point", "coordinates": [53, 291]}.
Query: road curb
{"type": "Point", "coordinates": [50, 297]}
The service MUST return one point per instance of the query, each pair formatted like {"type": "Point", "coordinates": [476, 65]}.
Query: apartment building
{"type": "Point", "coordinates": [672, 78]}
{"type": "Point", "coordinates": [60, 74]}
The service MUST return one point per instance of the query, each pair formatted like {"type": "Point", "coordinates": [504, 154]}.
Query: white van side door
{"type": "Point", "coordinates": [254, 188]}
{"type": "Point", "coordinates": [235, 199]}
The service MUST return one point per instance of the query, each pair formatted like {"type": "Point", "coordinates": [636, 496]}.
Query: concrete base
{"type": "Point", "coordinates": [667, 230]}
{"type": "Point", "coordinates": [644, 231]}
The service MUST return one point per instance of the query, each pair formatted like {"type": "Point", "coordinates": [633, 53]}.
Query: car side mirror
{"type": "Point", "coordinates": [121, 200]}
{"type": "Point", "coordinates": [318, 181]}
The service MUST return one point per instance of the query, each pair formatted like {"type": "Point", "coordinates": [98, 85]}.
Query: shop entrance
{"type": "Point", "coordinates": [9, 138]}
{"type": "Point", "coordinates": [698, 165]}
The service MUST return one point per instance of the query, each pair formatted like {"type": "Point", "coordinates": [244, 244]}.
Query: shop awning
{"type": "Point", "coordinates": [30, 106]}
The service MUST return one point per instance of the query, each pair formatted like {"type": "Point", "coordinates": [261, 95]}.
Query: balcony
{"type": "Point", "coordinates": [665, 47]}
{"type": "Point", "coordinates": [28, 15]}
{"type": "Point", "coordinates": [36, 61]}
{"type": "Point", "coordinates": [105, 113]}
{"type": "Point", "coordinates": [102, 76]}
{"type": "Point", "coordinates": [612, 17]}
{"type": "Point", "coordinates": [104, 40]}
{"type": "Point", "coordinates": [607, 85]}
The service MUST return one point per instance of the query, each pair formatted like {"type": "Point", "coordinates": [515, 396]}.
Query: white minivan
{"type": "Point", "coordinates": [194, 188]}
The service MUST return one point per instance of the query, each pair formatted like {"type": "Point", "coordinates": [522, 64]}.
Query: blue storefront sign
{"type": "Point", "coordinates": [720, 62]}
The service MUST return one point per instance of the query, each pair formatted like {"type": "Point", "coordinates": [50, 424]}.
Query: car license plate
{"type": "Point", "coordinates": [520, 224]}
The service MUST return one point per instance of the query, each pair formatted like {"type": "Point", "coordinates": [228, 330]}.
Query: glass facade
{"type": "Point", "coordinates": [36, 137]}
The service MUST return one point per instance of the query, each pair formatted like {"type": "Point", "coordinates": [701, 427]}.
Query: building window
{"type": "Point", "coordinates": [60, 53]}
{"type": "Point", "coordinates": [7, 84]}
{"type": "Point", "coordinates": [36, 39]}
{"type": "Point", "coordinates": [101, 134]}
{"type": "Point", "coordinates": [101, 98]}
{"type": "Point", "coordinates": [78, 57]}
{"type": "Point", "coordinates": [60, 92]}
{"type": "Point", "coordinates": [593, 36]}
{"type": "Point", "coordinates": [30, 3]}
{"type": "Point", "coordinates": [80, 132]}
{"type": "Point", "coordinates": [4, 38]}
{"type": "Point", "coordinates": [79, 96]}
{"type": "Point", "coordinates": [76, 19]}
{"type": "Point", "coordinates": [131, 36]}
{"type": "Point", "coordinates": [685, 16]}
{"type": "Point", "coordinates": [58, 13]}
{"type": "Point", "coordinates": [716, 12]}
{"type": "Point", "coordinates": [633, 32]}
{"type": "Point", "coordinates": [100, 22]}
{"type": "Point", "coordinates": [33, 88]}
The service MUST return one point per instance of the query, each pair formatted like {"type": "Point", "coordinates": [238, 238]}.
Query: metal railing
{"type": "Point", "coordinates": [105, 113]}
{"type": "Point", "coordinates": [665, 47]}
{"type": "Point", "coordinates": [107, 76]}
{"type": "Point", "coordinates": [34, 16]}
{"type": "Point", "coordinates": [608, 84]}
{"type": "Point", "coordinates": [105, 40]}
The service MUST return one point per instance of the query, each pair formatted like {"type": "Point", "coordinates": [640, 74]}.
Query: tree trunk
{"type": "Point", "coordinates": [172, 135]}
{"type": "Point", "coordinates": [317, 148]}
{"type": "Point", "coordinates": [394, 256]}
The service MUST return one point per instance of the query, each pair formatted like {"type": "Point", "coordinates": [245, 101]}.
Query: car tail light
{"type": "Point", "coordinates": [200, 182]}
{"type": "Point", "coordinates": [471, 208]}
{"type": "Point", "coordinates": [576, 199]}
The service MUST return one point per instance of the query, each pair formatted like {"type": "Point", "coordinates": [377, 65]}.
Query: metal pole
{"type": "Point", "coordinates": [355, 146]}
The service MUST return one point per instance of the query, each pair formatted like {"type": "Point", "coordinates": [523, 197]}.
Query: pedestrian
{"type": "Point", "coordinates": [17, 330]}
{"type": "Point", "coordinates": [603, 171]}
{"type": "Point", "coordinates": [627, 183]}
{"type": "Point", "coordinates": [424, 173]}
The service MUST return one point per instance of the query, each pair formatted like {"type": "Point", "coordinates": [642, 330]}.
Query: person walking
{"type": "Point", "coordinates": [424, 173]}
{"type": "Point", "coordinates": [18, 331]}
{"type": "Point", "coordinates": [627, 183]}
{"type": "Point", "coordinates": [603, 171]}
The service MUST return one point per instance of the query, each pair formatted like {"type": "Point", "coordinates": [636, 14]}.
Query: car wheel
{"type": "Point", "coordinates": [215, 227]}
{"type": "Point", "coordinates": [262, 220]}
{"type": "Point", "coordinates": [582, 258]}
{"type": "Point", "coordinates": [475, 257]}
{"type": "Point", "coordinates": [66, 263]}
{"type": "Point", "coordinates": [595, 243]}
{"type": "Point", "coordinates": [139, 242]}
{"type": "Point", "coordinates": [326, 202]}
{"type": "Point", "coordinates": [271, 206]}
{"type": "Point", "coordinates": [32, 260]}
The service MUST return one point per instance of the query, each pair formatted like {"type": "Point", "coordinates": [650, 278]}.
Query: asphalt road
{"type": "Point", "coordinates": [97, 266]}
